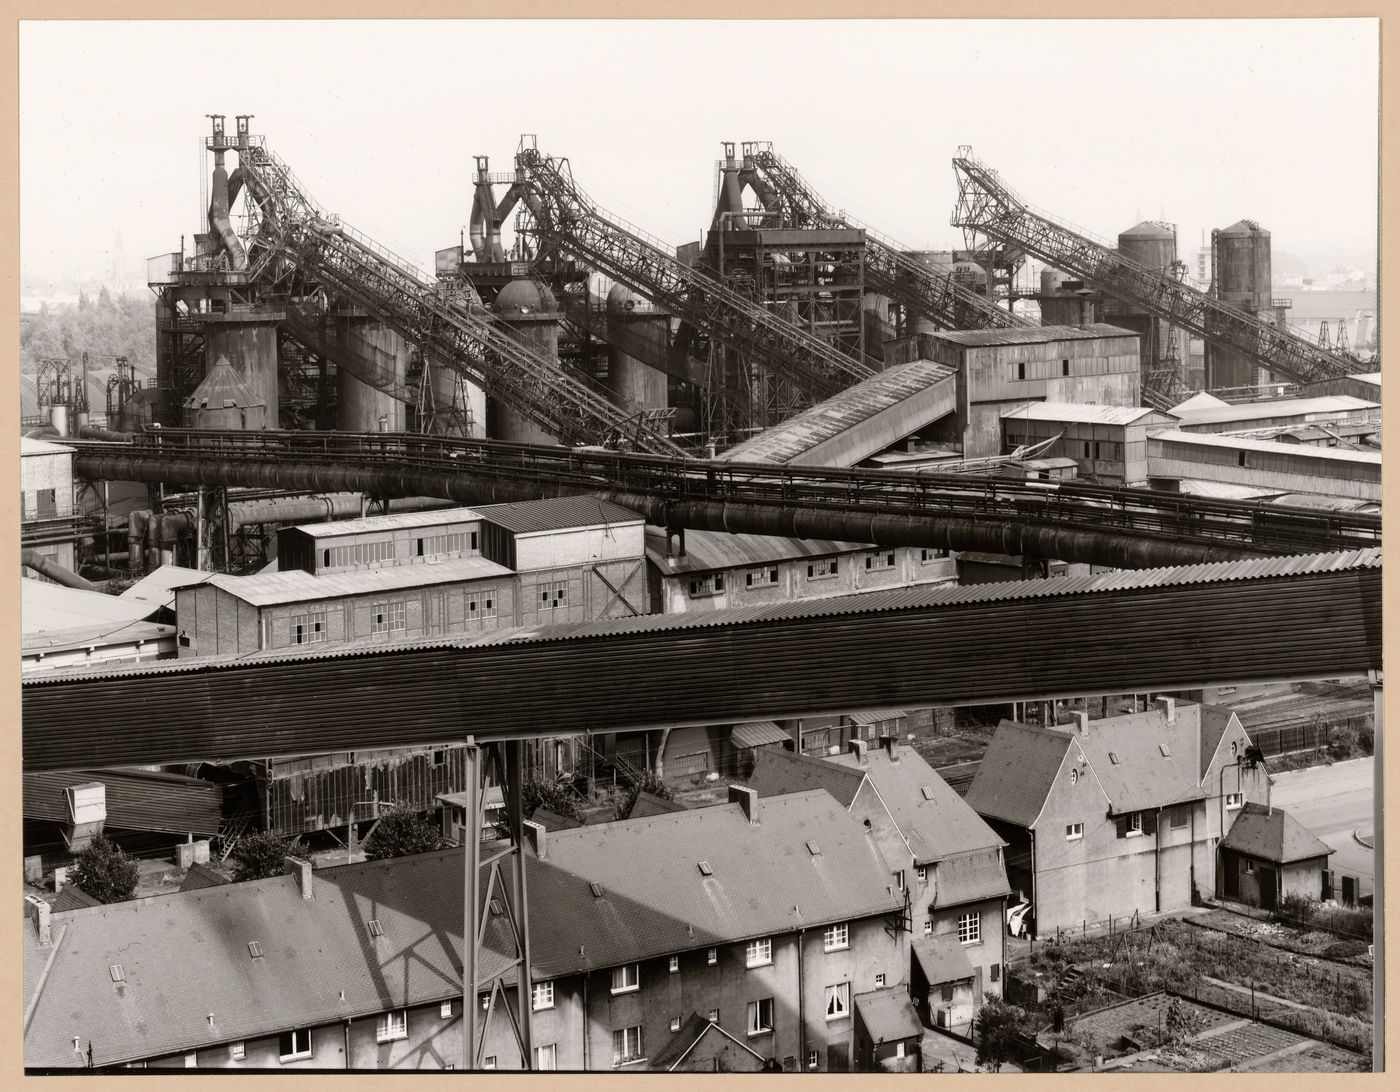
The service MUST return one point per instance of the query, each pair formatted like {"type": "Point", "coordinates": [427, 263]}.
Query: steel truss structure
{"type": "Point", "coordinates": [889, 269]}
{"type": "Point", "coordinates": [989, 207]}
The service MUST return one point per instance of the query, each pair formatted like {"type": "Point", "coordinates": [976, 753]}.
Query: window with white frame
{"type": "Point", "coordinates": [883, 559]}
{"type": "Point", "coordinates": [675, 1023]}
{"type": "Point", "coordinates": [379, 618]}
{"type": "Point", "coordinates": [546, 1057]}
{"type": "Point", "coordinates": [294, 1044]}
{"type": "Point", "coordinates": [820, 570]}
{"type": "Point", "coordinates": [761, 1016]}
{"type": "Point", "coordinates": [927, 554]}
{"type": "Point", "coordinates": [192, 1060]}
{"type": "Point", "coordinates": [308, 629]}
{"type": "Point", "coordinates": [1234, 799]}
{"type": "Point", "coordinates": [554, 595]}
{"type": "Point", "coordinates": [627, 1044]}
{"type": "Point", "coordinates": [490, 1061]}
{"type": "Point", "coordinates": [626, 978]}
{"type": "Point", "coordinates": [1073, 831]}
{"type": "Point", "coordinates": [713, 1016]}
{"type": "Point", "coordinates": [969, 927]}
{"type": "Point", "coordinates": [764, 577]}
{"type": "Point", "coordinates": [445, 1010]}
{"type": "Point", "coordinates": [712, 956]}
{"type": "Point", "coordinates": [838, 1000]}
{"type": "Point", "coordinates": [921, 873]}
{"type": "Point", "coordinates": [542, 996]}
{"type": "Point", "coordinates": [928, 927]}
{"type": "Point", "coordinates": [238, 1051]}
{"type": "Point", "coordinates": [701, 586]}
{"type": "Point", "coordinates": [811, 1059]}
{"type": "Point", "coordinates": [673, 964]}
{"type": "Point", "coordinates": [879, 981]}
{"type": "Point", "coordinates": [1134, 824]}
{"type": "Point", "coordinates": [392, 1025]}
{"type": "Point", "coordinates": [759, 952]}
{"type": "Point", "coordinates": [836, 937]}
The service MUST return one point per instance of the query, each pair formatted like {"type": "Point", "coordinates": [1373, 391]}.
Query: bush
{"type": "Point", "coordinates": [400, 833]}
{"type": "Point", "coordinates": [648, 783]}
{"type": "Point", "coordinates": [996, 1033]}
{"type": "Point", "coordinates": [259, 856]}
{"type": "Point", "coordinates": [1296, 909]}
{"type": "Point", "coordinates": [104, 871]}
{"type": "Point", "coordinates": [559, 799]}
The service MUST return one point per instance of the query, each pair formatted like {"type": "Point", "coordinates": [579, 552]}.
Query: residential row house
{"type": "Point", "coordinates": [1110, 818]}
{"type": "Point", "coordinates": [944, 858]}
{"type": "Point", "coordinates": [776, 921]}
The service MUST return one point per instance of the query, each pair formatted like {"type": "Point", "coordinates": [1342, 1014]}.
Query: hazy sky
{"type": "Point", "coordinates": [1103, 123]}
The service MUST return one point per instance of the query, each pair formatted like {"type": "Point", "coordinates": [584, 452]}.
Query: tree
{"type": "Point", "coordinates": [996, 1033]}
{"type": "Point", "coordinates": [104, 871]}
{"type": "Point", "coordinates": [259, 855]}
{"type": "Point", "coordinates": [559, 799]}
{"type": "Point", "coordinates": [400, 833]}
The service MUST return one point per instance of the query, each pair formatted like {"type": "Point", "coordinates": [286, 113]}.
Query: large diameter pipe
{"type": "Point", "coordinates": [45, 566]}
{"type": "Point", "coordinates": [992, 534]}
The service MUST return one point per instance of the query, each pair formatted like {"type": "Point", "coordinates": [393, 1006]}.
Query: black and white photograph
{"type": "Point", "coordinates": [655, 546]}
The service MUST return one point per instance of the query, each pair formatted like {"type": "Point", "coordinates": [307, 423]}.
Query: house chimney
{"type": "Point", "coordinates": [858, 748]}
{"type": "Point", "coordinates": [1081, 722]}
{"type": "Point", "coordinates": [747, 799]}
{"type": "Point", "coordinates": [295, 866]}
{"type": "Point", "coordinates": [535, 834]}
{"type": "Point", "coordinates": [1168, 706]}
{"type": "Point", "coordinates": [39, 910]}
{"type": "Point", "coordinates": [891, 746]}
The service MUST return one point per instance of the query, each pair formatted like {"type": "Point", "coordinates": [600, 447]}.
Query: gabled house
{"type": "Point", "coordinates": [1119, 815]}
{"type": "Point", "coordinates": [1268, 855]}
{"type": "Point", "coordinates": [939, 851]}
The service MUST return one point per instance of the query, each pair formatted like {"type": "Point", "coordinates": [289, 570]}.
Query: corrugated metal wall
{"type": "Point", "coordinates": [315, 798]}
{"type": "Point", "coordinates": [1314, 624]}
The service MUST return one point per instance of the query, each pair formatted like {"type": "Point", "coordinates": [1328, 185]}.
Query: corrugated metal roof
{"type": "Point", "coordinates": [1281, 407]}
{"type": "Point", "coordinates": [103, 635]}
{"type": "Point", "coordinates": [556, 514]}
{"type": "Point", "coordinates": [158, 587]}
{"type": "Point", "coordinates": [840, 413]}
{"type": "Point", "coordinates": [942, 958]}
{"type": "Point", "coordinates": [48, 609]}
{"type": "Point", "coordinates": [1273, 835]}
{"type": "Point", "coordinates": [1198, 487]}
{"type": "Point", "coordinates": [916, 598]}
{"type": "Point", "coordinates": [1198, 401]}
{"type": "Point", "coordinates": [28, 445]}
{"type": "Point", "coordinates": [136, 799]}
{"type": "Point", "coordinates": [297, 585]}
{"type": "Point", "coordinates": [876, 716]}
{"type": "Point", "coordinates": [710, 550]}
{"type": "Point", "coordinates": [1084, 413]}
{"type": "Point", "coordinates": [935, 821]}
{"type": "Point", "coordinates": [758, 733]}
{"type": "Point", "coordinates": [1032, 335]}
{"type": "Point", "coordinates": [888, 1015]}
{"type": "Point", "coordinates": [1269, 447]}
{"type": "Point", "coordinates": [392, 521]}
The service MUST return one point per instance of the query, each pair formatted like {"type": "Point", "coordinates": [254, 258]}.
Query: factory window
{"type": "Point", "coordinates": [1234, 800]}
{"type": "Point", "coordinates": [1020, 371]}
{"type": "Point", "coordinates": [1244, 458]}
{"type": "Point", "coordinates": [927, 554]}
{"type": "Point", "coordinates": [1180, 815]}
{"type": "Point", "coordinates": [473, 609]}
{"type": "Point", "coordinates": [1064, 367]}
{"type": "Point", "coordinates": [488, 607]}
{"type": "Point", "coordinates": [1073, 831]}
{"type": "Point", "coordinates": [970, 928]}
{"type": "Point", "coordinates": [456, 542]}
{"type": "Point", "coordinates": [439, 758]}
{"type": "Point", "coordinates": [420, 547]}
{"type": "Point", "coordinates": [761, 1016]}
{"type": "Point", "coordinates": [712, 584]}
{"type": "Point", "coordinates": [546, 1057]}
{"type": "Point", "coordinates": [627, 1045]}
{"type": "Point", "coordinates": [836, 937]}
{"type": "Point", "coordinates": [1086, 449]}
{"type": "Point", "coordinates": [761, 578]}
{"type": "Point", "coordinates": [884, 559]}
{"type": "Point", "coordinates": [759, 953]}
{"type": "Point", "coordinates": [625, 979]}
{"type": "Point", "coordinates": [392, 1025]}
{"type": "Point", "coordinates": [542, 996]}
{"type": "Point", "coordinates": [294, 1044]}
{"type": "Point", "coordinates": [398, 616]}
{"type": "Point", "coordinates": [359, 553]}
{"type": "Point", "coordinates": [309, 629]}
{"type": "Point", "coordinates": [554, 595]}
{"type": "Point", "coordinates": [838, 1001]}
{"type": "Point", "coordinates": [820, 570]}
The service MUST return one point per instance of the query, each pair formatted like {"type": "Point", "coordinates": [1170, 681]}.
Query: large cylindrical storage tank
{"type": "Point", "coordinates": [1152, 246]}
{"type": "Point", "coordinates": [1242, 263]}
{"type": "Point", "coordinates": [530, 314]}
{"type": "Point", "coordinates": [459, 406]}
{"type": "Point", "coordinates": [1061, 306]}
{"type": "Point", "coordinates": [628, 378]}
{"type": "Point", "coordinates": [248, 341]}
{"type": "Point", "coordinates": [381, 352]}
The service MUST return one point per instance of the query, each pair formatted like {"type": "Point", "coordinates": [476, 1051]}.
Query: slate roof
{"type": "Point", "coordinates": [1143, 777]}
{"type": "Point", "coordinates": [1215, 719]}
{"type": "Point", "coordinates": [1275, 836]}
{"type": "Point", "coordinates": [970, 877]}
{"type": "Point", "coordinates": [777, 772]}
{"type": "Point", "coordinates": [935, 821]}
{"type": "Point", "coordinates": [1017, 771]}
{"type": "Point", "coordinates": [942, 958]}
{"type": "Point", "coordinates": [888, 1015]}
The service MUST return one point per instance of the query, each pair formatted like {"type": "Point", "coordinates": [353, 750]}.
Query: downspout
{"type": "Point", "coordinates": [585, 1021]}
{"type": "Point", "coordinates": [801, 1008]}
{"type": "Point", "coordinates": [347, 1042]}
{"type": "Point", "coordinates": [1157, 865]}
{"type": "Point", "coordinates": [1193, 855]}
{"type": "Point", "coordinates": [1035, 906]}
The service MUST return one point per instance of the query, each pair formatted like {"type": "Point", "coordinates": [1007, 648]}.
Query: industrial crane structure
{"type": "Point", "coordinates": [988, 206]}
{"type": "Point", "coordinates": [746, 345]}
{"type": "Point", "coordinates": [890, 269]}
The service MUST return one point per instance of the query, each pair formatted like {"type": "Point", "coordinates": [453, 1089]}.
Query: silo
{"type": "Point", "coordinates": [637, 320]}
{"type": "Point", "coordinates": [1240, 258]}
{"type": "Point", "coordinates": [529, 313]}
{"type": "Point", "coordinates": [459, 406]}
{"type": "Point", "coordinates": [380, 352]}
{"type": "Point", "coordinates": [1062, 302]}
{"type": "Point", "coordinates": [248, 341]}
